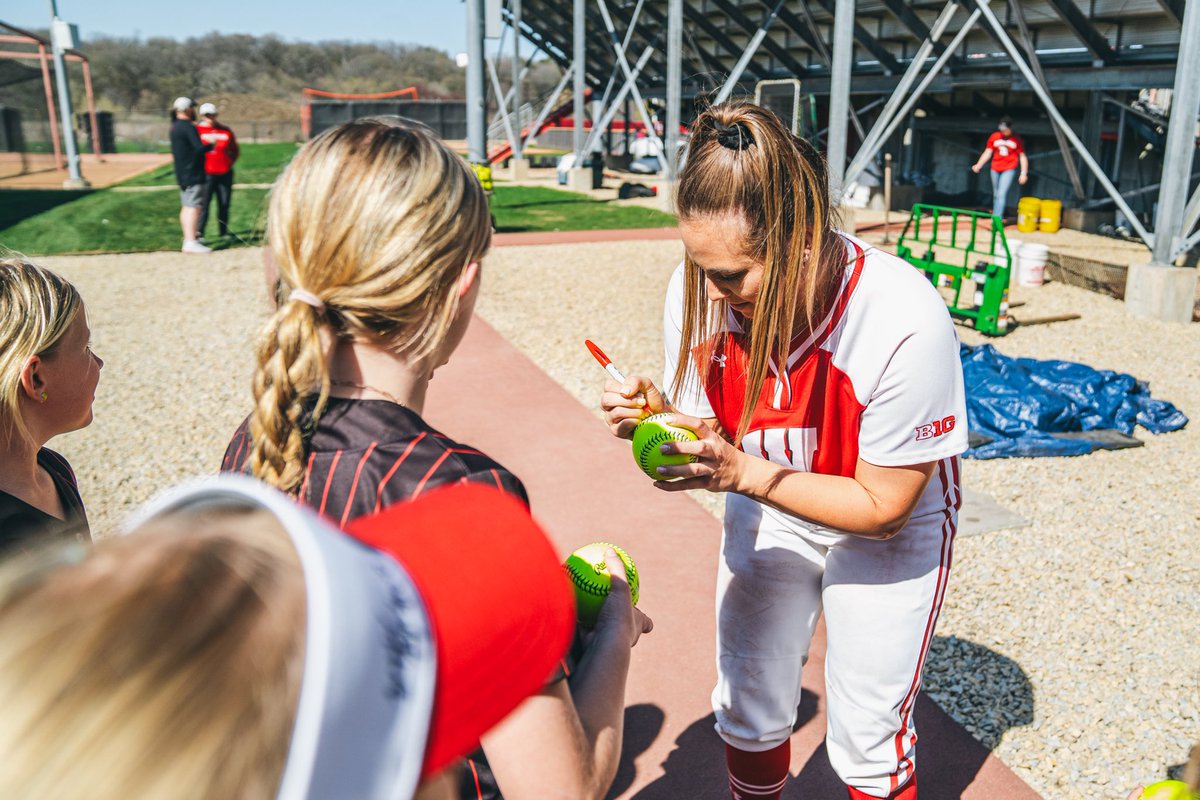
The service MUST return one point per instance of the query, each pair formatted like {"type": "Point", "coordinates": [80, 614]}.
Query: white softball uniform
{"type": "Point", "coordinates": [879, 379]}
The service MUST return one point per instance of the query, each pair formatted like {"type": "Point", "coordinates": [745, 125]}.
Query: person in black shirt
{"type": "Point", "coordinates": [48, 379]}
{"type": "Point", "coordinates": [376, 233]}
{"type": "Point", "coordinates": [188, 151]}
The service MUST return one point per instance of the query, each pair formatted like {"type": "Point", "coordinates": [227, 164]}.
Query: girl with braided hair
{"type": "Point", "coordinates": [376, 233]}
{"type": "Point", "coordinates": [822, 379]}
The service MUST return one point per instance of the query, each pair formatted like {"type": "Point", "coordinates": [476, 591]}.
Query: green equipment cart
{"type": "Point", "coordinates": [965, 255]}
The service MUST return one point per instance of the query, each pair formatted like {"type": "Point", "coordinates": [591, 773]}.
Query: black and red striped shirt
{"type": "Point", "coordinates": [365, 455]}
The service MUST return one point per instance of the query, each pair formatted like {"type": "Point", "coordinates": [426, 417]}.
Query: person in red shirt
{"type": "Point", "coordinates": [218, 167]}
{"type": "Point", "coordinates": [1006, 151]}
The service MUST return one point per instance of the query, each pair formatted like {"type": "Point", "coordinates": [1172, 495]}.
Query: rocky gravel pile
{"type": "Point", "coordinates": [1068, 646]}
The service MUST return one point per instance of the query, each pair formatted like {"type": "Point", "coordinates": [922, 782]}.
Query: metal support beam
{"type": "Point", "coordinates": [759, 34]}
{"type": "Point", "coordinates": [1031, 51]}
{"type": "Point", "coordinates": [1174, 8]}
{"type": "Point", "coordinates": [759, 37]}
{"type": "Point", "coordinates": [612, 78]}
{"type": "Point", "coordinates": [702, 21]}
{"type": "Point", "coordinates": [805, 30]}
{"type": "Point", "coordinates": [547, 46]}
{"type": "Point", "coordinates": [1052, 110]}
{"type": "Point", "coordinates": [823, 52]}
{"type": "Point", "coordinates": [674, 78]}
{"type": "Point", "coordinates": [889, 117]}
{"type": "Point", "coordinates": [476, 87]}
{"type": "Point", "coordinates": [75, 179]}
{"type": "Point", "coordinates": [1082, 27]}
{"type": "Point", "coordinates": [622, 17]}
{"type": "Point", "coordinates": [513, 140]}
{"type": "Point", "coordinates": [1093, 122]}
{"type": "Point", "coordinates": [579, 48]}
{"type": "Point", "coordinates": [630, 79]}
{"type": "Point", "coordinates": [621, 97]}
{"type": "Point", "coordinates": [550, 104]}
{"type": "Point", "coordinates": [1181, 140]}
{"type": "Point", "coordinates": [517, 73]}
{"type": "Point", "coordinates": [1191, 214]}
{"type": "Point", "coordinates": [886, 60]}
{"type": "Point", "coordinates": [901, 11]}
{"type": "Point", "coordinates": [715, 65]}
{"type": "Point", "coordinates": [596, 50]}
{"type": "Point", "coordinates": [839, 94]}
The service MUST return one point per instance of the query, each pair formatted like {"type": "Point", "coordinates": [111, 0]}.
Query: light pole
{"type": "Point", "coordinates": [57, 30]}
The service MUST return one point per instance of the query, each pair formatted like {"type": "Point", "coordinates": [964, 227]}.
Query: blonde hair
{"type": "Point", "coordinates": [776, 184]}
{"type": "Point", "coordinates": [36, 308]}
{"type": "Point", "coordinates": [162, 664]}
{"type": "Point", "coordinates": [378, 219]}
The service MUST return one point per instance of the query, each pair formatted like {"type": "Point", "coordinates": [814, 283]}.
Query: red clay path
{"type": "Point", "coordinates": [584, 487]}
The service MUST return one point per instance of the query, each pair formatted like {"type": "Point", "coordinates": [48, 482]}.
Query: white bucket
{"type": "Point", "coordinates": [1031, 263]}
{"type": "Point", "coordinates": [1014, 245]}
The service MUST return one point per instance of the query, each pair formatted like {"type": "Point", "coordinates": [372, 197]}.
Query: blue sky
{"type": "Point", "coordinates": [437, 23]}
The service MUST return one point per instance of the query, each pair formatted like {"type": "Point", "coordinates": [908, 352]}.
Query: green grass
{"type": "Point", "coordinates": [39, 222]}
{"type": "Point", "coordinates": [536, 208]}
{"type": "Point", "coordinates": [259, 163]}
{"type": "Point", "coordinates": [107, 221]}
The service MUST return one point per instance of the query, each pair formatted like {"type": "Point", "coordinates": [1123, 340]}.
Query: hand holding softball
{"type": "Point", "coordinates": [624, 403]}
{"type": "Point", "coordinates": [619, 617]}
{"type": "Point", "coordinates": [719, 466]}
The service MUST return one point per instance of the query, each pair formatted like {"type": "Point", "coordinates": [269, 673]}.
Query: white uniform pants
{"type": "Point", "coordinates": [881, 601]}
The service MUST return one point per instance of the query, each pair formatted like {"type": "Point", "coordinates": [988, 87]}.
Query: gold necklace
{"type": "Point", "coordinates": [364, 387]}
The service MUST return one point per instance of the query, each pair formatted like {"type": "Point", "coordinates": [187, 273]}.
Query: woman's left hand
{"type": "Point", "coordinates": [719, 466]}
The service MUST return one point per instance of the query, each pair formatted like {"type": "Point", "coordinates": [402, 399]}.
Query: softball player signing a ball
{"type": "Point", "coordinates": [376, 231]}
{"type": "Point", "coordinates": [823, 381]}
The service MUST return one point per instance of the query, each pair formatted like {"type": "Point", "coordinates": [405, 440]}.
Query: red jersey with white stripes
{"type": "Point", "coordinates": [368, 454]}
{"type": "Point", "coordinates": [878, 379]}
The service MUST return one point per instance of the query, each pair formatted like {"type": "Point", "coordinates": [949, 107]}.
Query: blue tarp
{"type": "Point", "coordinates": [1019, 403]}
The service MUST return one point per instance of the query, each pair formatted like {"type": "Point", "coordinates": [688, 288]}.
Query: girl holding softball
{"type": "Point", "coordinates": [376, 233]}
{"type": "Point", "coordinates": [822, 379]}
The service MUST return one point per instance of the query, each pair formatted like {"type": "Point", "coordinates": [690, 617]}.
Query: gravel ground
{"type": "Point", "coordinates": [1066, 646]}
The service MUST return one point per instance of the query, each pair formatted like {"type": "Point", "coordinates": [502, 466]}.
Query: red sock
{"type": "Point", "coordinates": [906, 792]}
{"type": "Point", "coordinates": [758, 776]}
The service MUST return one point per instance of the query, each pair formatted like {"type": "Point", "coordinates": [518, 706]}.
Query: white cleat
{"type": "Point", "coordinates": [192, 246]}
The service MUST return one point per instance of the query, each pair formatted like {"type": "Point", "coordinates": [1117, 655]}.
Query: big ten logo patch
{"type": "Point", "coordinates": [935, 428]}
{"type": "Point", "coordinates": [788, 447]}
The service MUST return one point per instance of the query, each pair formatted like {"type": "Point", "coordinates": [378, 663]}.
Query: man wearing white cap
{"type": "Point", "coordinates": [218, 167]}
{"type": "Point", "coordinates": [189, 152]}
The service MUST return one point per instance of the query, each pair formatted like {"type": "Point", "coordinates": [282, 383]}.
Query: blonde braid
{"type": "Point", "coordinates": [290, 367]}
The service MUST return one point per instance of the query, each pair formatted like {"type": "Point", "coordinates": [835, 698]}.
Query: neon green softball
{"type": "Point", "coordinates": [649, 435]}
{"type": "Point", "coordinates": [589, 575]}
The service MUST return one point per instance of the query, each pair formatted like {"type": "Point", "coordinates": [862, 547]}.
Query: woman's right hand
{"type": "Point", "coordinates": [623, 404]}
